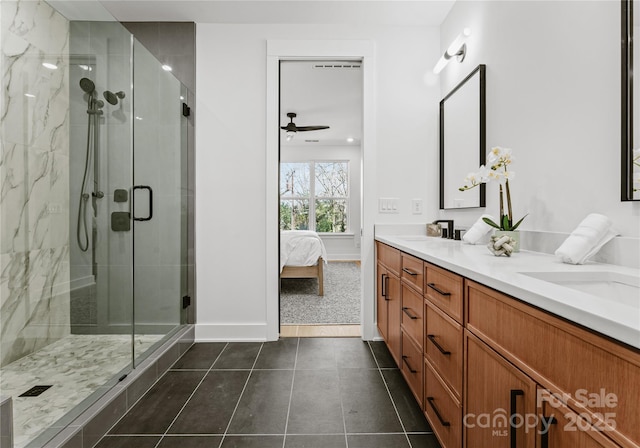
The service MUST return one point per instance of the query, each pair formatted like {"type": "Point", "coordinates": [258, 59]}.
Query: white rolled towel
{"type": "Point", "coordinates": [478, 230]}
{"type": "Point", "coordinates": [586, 240]}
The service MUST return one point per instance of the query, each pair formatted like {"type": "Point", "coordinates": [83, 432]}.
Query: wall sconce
{"type": "Point", "coordinates": [457, 48]}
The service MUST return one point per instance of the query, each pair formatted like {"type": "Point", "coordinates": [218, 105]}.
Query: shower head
{"type": "Point", "coordinates": [112, 98]}
{"type": "Point", "coordinates": [87, 85]}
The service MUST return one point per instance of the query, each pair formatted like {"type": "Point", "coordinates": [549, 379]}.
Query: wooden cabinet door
{"type": "Point", "coordinates": [496, 393]}
{"type": "Point", "coordinates": [561, 427]}
{"type": "Point", "coordinates": [389, 305]}
{"type": "Point", "coordinates": [381, 301]}
{"type": "Point", "coordinates": [394, 309]}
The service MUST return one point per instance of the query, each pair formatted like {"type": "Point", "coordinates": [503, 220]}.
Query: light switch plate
{"type": "Point", "coordinates": [388, 205]}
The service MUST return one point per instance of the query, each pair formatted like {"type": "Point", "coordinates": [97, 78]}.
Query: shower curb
{"type": "Point", "coordinates": [89, 427]}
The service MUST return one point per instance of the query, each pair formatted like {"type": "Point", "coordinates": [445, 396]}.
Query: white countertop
{"type": "Point", "coordinates": [615, 319]}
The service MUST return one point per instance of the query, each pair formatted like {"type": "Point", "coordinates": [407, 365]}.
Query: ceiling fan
{"type": "Point", "coordinates": [291, 127]}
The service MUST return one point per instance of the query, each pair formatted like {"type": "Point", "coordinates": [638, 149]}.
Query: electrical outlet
{"type": "Point", "coordinates": [416, 206]}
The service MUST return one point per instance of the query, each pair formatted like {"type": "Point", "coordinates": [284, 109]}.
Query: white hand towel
{"type": "Point", "coordinates": [586, 240]}
{"type": "Point", "coordinates": [478, 230]}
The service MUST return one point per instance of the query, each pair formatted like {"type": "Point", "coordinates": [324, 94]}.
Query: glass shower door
{"type": "Point", "coordinates": [159, 209]}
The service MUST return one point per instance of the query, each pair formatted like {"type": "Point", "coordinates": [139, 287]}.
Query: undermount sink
{"type": "Point", "coordinates": [613, 286]}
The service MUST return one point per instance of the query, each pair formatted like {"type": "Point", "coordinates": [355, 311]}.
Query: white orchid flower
{"type": "Point", "coordinates": [494, 155]}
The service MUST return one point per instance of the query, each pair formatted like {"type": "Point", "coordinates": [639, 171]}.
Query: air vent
{"type": "Point", "coordinates": [312, 141]}
{"type": "Point", "coordinates": [338, 66]}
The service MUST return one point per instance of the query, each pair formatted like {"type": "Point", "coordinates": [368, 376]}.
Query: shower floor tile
{"type": "Point", "coordinates": [75, 367]}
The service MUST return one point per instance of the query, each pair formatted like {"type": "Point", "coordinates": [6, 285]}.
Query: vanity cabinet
{"type": "Point", "coordinates": [388, 298]}
{"type": "Point", "coordinates": [597, 377]}
{"type": "Point", "coordinates": [474, 357]}
{"type": "Point", "coordinates": [495, 390]}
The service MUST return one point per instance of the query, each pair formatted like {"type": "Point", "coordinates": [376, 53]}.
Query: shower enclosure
{"type": "Point", "coordinates": [93, 209]}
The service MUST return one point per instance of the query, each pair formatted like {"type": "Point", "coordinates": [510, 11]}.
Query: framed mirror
{"type": "Point", "coordinates": [630, 100]}
{"type": "Point", "coordinates": [463, 145]}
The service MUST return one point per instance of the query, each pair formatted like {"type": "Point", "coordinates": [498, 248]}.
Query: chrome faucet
{"type": "Point", "coordinates": [449, 227]}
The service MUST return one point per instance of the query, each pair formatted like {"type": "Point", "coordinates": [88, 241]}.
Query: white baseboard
{"type": "Point", "coordinates": [231, 332]}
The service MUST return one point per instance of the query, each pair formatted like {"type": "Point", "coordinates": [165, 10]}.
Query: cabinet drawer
{"type": "Point", "coordinates": [413, 271]}
{"type": "Point", "coordinates": [389, 256]}
{"type": "Point", "coordinates": [412, 314]}
{"type": "Point", "coordinates": [443, 347]}
{"type": "Point", "coordinates": [443, 411]}
{"type": "Point", "coordinates": [412, 365]}
{"type": "Point", "coordinates": [561, 357]}
{"type": "Point", "coordinates": [444, 289]}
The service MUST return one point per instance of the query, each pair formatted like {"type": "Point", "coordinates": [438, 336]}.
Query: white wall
{"type": "Point", "coordinates": [553, 96]}
{"type": "Point", "coordinates": [339, 246]}
{"type": "Point", "coordinates": [230, 141]}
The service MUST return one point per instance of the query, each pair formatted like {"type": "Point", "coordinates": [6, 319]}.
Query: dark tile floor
{"type": "Point", "coordinates": [293, 393]}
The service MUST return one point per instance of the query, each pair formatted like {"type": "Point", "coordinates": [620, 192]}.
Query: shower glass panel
{"type": "Point", "coordinates": [91, 136]}
{"type": "Point", "coordinates": [157, 197]}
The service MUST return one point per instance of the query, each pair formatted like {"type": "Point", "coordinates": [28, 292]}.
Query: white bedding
{"type": "Point", "coordinates": [300, 248]}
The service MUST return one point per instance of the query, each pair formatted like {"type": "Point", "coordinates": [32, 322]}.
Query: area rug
{"type": "Point", "coordinates": [300, 303]}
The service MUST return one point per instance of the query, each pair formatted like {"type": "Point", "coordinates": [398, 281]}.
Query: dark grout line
{"type": "Point", "coordinates": [293, 382]}
{"type": "Point", "coordinates": [241, 394]}
{"type": "Point", "coordinates": [393, 403]}
{"type": "Point", "coordinates": [192, 394]}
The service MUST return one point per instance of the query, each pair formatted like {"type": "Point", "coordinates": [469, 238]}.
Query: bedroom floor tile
{"type": "Point", "coordinates": [293, 393]}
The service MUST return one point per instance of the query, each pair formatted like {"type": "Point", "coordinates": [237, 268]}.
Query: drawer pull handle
{"type": "Point", "coordinates": [435, 409]}
{"type": "Point", "coordinates": [432, 338]}
{"type": "Point", "coordinates": [406, 311]}
{"type": "Point", "coordinates": [438, 290]}
{"type": "Point", "coordinates": [515, 393]}
{"type": "Point", "coordinates": [404, 359]}
{"type": "Point", "coordinates": [544, 438]}
{"type": "Point", "coordinates": [409, 271]}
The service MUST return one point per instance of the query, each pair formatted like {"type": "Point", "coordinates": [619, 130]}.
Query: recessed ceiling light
{"type": "Point", "coordinates": [29, 95]}
{"type": "Point", "coordinates": [49, 66]}
{"type": "Point", "coordinates": [350, 140]}
{"type": "Point", "coordinates": [166, 68]}
{"type": "Point", "coordinates": [85, 67]}
{"type": "Point", "coordinates": [181, 97]}
{"type": "Point", "coordinates": [139, 118]}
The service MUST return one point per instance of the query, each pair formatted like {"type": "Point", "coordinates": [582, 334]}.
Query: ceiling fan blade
{"type": "Point", "coordinates": [311, 128]}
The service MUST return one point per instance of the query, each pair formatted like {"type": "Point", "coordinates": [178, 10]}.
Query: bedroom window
{"type": "Point", "coordinates": [314, 196]}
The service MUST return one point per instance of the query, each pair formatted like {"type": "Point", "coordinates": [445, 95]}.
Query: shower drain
{"type": "Point", "coordinates": [34, 391]}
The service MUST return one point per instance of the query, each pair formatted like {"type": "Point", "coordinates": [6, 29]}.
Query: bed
{"type": "Point", "coordinates": [302, 255]}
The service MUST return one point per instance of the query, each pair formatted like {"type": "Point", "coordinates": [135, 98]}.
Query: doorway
{"type": "Point", "coordinates": [320, 192]}
{"type": "Point", "coordinates": [280, 50]}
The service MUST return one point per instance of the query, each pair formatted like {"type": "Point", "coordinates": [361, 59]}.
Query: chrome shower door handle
{"type": "Point", "coordinates": [148, 188]}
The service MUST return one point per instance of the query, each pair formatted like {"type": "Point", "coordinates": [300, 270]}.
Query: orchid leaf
{"type": "Point", "coordinates": [518, 223]}
{"type": "Point", "coordinates": [491, 223]}
{"type": "Point", "coordinates": [505, 223]}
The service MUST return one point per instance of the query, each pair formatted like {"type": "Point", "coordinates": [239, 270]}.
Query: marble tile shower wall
{"type": "Point", "coordinates": [34, 169]}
